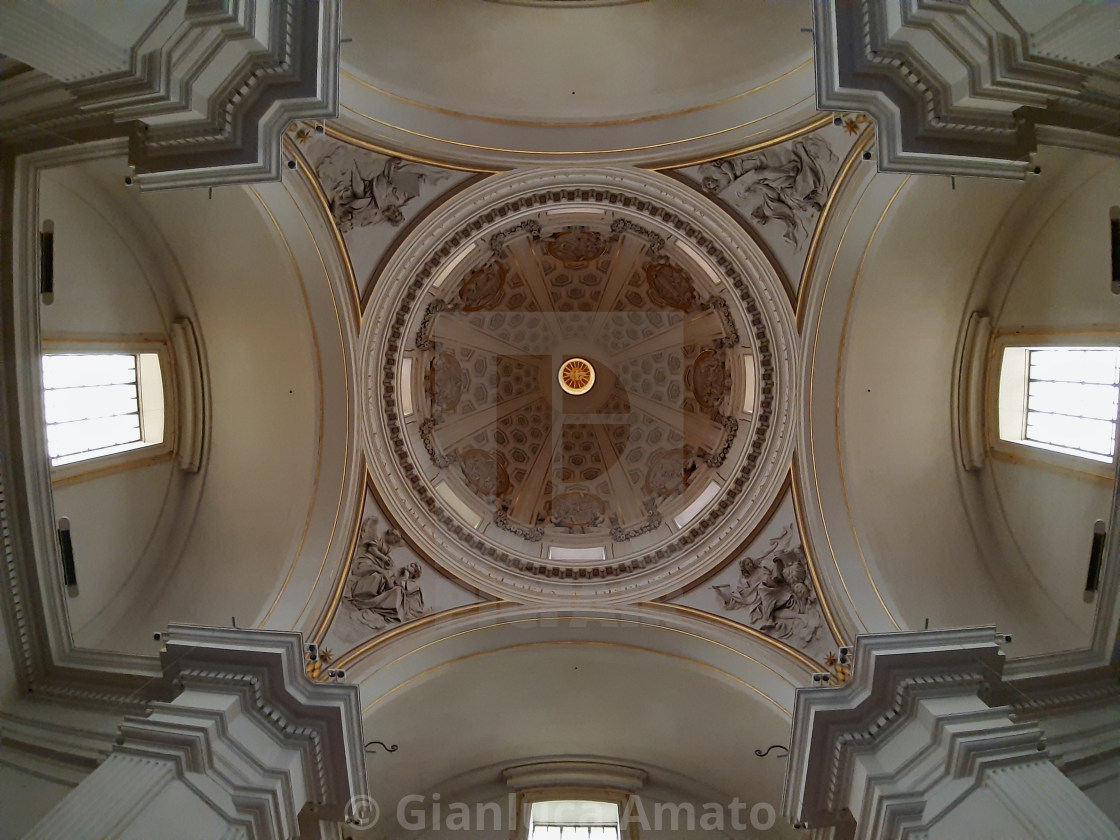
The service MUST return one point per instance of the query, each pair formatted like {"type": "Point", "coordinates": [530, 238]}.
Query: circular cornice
{"type": "Point", "coordinates": [421, 486]}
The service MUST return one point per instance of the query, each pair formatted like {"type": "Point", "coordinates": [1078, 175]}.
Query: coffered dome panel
{"type": "Point", "coordinates": [578, 383]}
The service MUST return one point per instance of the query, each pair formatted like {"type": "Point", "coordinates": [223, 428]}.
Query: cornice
{"type": "Point", "coordinates": [891, 674]}
{"type": "Point", "coordinates": [239, 691]}
{"type": "Point", "coordinates": [189, 125]}
{"type": "Point", "coordinates": [1014, 96]}
{"type": "Point", "coordinates": [926, 719]}
{"type": "Point", "coordinates": [265, 670]}
{"type": "Point", "coordinates": [574, 773]}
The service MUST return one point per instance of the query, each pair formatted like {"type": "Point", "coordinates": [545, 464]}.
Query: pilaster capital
{"type": "Point", "coordinates": [263, 673]}
{"type": "Point", "coordinates": [932, 684]}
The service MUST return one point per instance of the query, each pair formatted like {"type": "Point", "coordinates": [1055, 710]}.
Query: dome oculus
{"type": "Point", "coordinates": [576, 376]}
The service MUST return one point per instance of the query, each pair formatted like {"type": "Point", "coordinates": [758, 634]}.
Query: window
{"type": "Point", "coordinates": [573, 819]}
{"type": "Point", "coordinates": [99, 404]}
{"type": "Point", "coordinates": [1063, 399]}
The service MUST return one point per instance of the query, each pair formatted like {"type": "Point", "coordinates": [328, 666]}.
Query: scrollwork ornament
{"type": "Point", "coordinates": [730, 430]}
{"type": "Point", "coordinates": [652, 523]}
{"type": "Point", "coordinates": [424, 331]}
{"type": "Point", "coordinates": [498, 240]}
{"type": "Point", "coordinates": [621, 226]}
{"type": "Point", "coordinates": [532, 534]}
{"type": "Point", "coordinates": [719, 305]}
{"type": "Point", "coordinates": [576, 246]}
{"type": "Point", "coordinates": [427, 436]}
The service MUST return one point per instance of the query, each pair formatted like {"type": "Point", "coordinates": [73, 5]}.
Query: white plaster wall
{"type": "Point", "coordinates": [155, 545]}
{"type": "Point", "coordinates": [693, 728]}
{"type": "Point", "coordinates": [897, 451]}
{"type": "Point", "coordinates": [1050, 514]}
{"type": "Point", "coordinates": [1106, 796]}
{"type": "Point", "coordinates": [554, 64]}
{"type": "Point", "coordinates": [113, 527]}
{"type": "Point", "coordinates": [100, 284]}
{"type": "Point", "coordinates": [1055, 280]}
{"type": "Point", "coordinates": [1058, 277]}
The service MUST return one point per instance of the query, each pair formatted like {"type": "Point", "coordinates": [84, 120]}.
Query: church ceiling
{"type": "Point", "coordinates": [488, 479]}
{"type": "Point", "coordinates": [769, 588]}
{"type": "Point", "coordinates": [625, 491]}
{"type": "Point", "coordinates": [371, 197]}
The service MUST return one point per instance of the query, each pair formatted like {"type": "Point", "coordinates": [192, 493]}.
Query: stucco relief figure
{"type": "Point", "coordinates": [364, 189]}
{"type": "Point", "coordinates": [744, 594]}
{"type": "Point", "coordinates": [484, 287]}
{"type": "Point", "coordinates": [577, 510]}
{"type": "Point", "coordinates": [787, 184]}
{"type": "Point", "coordinates": [776, 592]}
{"type": "Point", "coordinates": [484, 472]}
{"type": "Point", "coordinates": [669, 472]}
{"type": "Point", "coordinates": [709, 379]}
{"type": "Point", "coordinates": [576, 246]}
{"type": "Point", "coordinates": [381, 593]}
{"type": "Point", "coordinates": [446, 382]}
{"type": "Point", "coordinates": [670, 285]}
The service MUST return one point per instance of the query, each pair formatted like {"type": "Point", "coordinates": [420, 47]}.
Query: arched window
{"type": "Point", "coordinates": [1061, 398]}
{"type": "Point", "coordinates": [573, 819]}
{"type": "Point", "coordinates": [99, 404]}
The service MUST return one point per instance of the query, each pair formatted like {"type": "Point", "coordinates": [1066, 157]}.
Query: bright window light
{"type": "Point", "coordinates": [573, 819]}
{"type": "Point", "coordinates": [1061, 398]}
{"type": "Point", "coordinates": [100, 404]}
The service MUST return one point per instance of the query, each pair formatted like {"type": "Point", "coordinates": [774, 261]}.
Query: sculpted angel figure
{"type": "Point", "coordinates": [786, 183]}
{"type": "Point", "coordinates": [381, 593]}
{"type": "Point", "coordinates": [790, 600]}
{"type": "Point", "coordinates": [776, 592]}
{"type": "Point", "coordinates": [745, 593]}
{"type": "Point", "coordinates": [361, 194]}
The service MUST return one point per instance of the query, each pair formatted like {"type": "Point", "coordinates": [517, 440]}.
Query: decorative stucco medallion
{"type": "Point", "coordinates": [575, 246]}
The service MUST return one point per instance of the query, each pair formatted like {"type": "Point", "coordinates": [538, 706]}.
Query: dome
{"type": "Point", "coordinates": [585, 387]}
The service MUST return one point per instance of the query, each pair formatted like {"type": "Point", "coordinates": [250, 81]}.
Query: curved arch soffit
{"type": "Point", "coordinates": [844, 235]}
{"type": "Point", "coordinates": [297, 212]}
{"type": "Point", "coordinates": [766, 669]}
{"type": "Point", "coordinates": [766, 112]}
{"type": "Point", "coordinates": [496, 159]}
